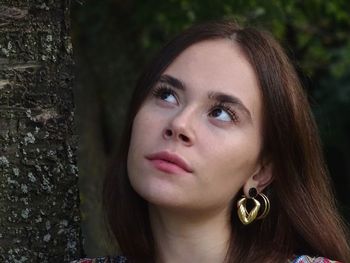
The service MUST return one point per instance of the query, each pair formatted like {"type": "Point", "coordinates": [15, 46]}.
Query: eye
{"type": "Point", "coordinates": [223, 113]}
{"type": "Point", "coordinates": [165, 93]}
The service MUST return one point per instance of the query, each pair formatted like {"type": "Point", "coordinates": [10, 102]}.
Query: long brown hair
{"type": "Point", "coordinates": [303, 217]}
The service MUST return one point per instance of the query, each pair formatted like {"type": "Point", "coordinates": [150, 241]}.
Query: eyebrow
{"type": "Point", "coordinates": [174, 82]}
{"type": "Point", "coordinates": [212, 95]}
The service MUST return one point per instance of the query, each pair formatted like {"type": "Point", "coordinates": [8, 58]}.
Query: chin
{"type": "Point", "coordinates": [159, 195]}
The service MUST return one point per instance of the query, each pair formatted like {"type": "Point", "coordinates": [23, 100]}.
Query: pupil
{"type": "Point", "coordinates": [216, 112]}
{"type": "Point", "coordinates": [165, 95]}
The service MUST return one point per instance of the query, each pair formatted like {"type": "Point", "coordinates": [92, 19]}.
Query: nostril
{"type": "Point", "coordinates": [168, 133]}
{"type": "Point", "coordinates": [184, 138]}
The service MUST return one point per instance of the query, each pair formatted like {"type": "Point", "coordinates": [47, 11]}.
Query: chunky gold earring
{"type": "Point", "coordinates": [243, 215]}
{"type": "Point", "coordinates": [248, 217]}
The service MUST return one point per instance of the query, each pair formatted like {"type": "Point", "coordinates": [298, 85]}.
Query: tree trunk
{"type": "Point", "coordinates": [39, 198]}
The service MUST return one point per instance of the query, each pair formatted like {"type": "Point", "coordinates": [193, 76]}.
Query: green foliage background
{"type": "Point", "coordinates": [114, 39]}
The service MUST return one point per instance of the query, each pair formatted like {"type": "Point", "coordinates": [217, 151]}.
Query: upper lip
{"type": "Point", "coordinates": [172, 158]}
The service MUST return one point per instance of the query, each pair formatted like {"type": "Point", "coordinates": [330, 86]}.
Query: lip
{"type": "Point", "coordinates": [169, 162]}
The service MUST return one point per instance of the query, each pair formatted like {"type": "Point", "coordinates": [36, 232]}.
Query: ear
{"type": "Point", "coordinates": [260, 179]}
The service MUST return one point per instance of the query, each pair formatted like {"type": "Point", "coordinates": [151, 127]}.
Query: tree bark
{"type": "Point", "coordinates": [39, 197]}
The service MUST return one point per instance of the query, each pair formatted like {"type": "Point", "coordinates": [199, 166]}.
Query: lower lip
{"type": "Point", "coordinates": [167, 167]}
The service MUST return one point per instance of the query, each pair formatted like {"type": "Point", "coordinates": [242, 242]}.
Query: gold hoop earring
{"type": "Point", "coordinates": [266, 206]}
{"type": "Point", "coordinates": [248, 217]}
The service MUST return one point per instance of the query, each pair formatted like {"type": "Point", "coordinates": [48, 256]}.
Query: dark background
{"type": "Point", "coordinates": [114, 39]}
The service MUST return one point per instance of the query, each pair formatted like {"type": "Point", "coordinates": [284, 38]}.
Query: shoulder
{"type": "Point", "coordinates": [308, 259]}
{"type": "Point", "coordinates": [115, 259]}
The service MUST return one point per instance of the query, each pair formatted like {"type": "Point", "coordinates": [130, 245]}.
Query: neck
{"type": "Point", "coordinates": [186, 237]}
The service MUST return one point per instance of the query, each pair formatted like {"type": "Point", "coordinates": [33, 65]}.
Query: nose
{"type": "Point", "coordinates": [180, 129]}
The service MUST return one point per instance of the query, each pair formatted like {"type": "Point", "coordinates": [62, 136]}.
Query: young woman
{"type": "Point", "coordinates": [221, 160]}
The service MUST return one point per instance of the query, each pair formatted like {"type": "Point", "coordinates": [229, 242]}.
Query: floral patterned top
{"type": "Point", "coordinates": [121, 259]}
{"type": "Point", "coordinates": [307, 259]}
{"type": "Point", "coordinates": [117, 259]}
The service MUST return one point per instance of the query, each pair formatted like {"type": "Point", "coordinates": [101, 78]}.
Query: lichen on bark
{"type": "Point", "coordinates": [39, 197]}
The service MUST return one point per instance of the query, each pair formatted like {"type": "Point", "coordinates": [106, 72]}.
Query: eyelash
{"type": "Point", "coordinates": [158, 91]}
{"type": "Point", "coordinates": [221, 105]}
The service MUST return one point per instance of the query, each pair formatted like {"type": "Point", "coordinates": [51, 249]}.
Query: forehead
{"type": "Point", "coordinates": [215, 61]}
{"type": "Point", "coordinates": [219, 66]}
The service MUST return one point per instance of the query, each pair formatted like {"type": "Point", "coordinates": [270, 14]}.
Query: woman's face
{"type": "Point", "coordinates": [197, 137]}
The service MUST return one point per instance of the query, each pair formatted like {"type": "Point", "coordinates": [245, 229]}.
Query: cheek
{"type": "Point", "coordinates": [139, 134]}
{"type": "Point", "coordinates": [143, 128]}
{"type": "Point", "coordinates": [238, 158]}
{"type": "Point", "coordinates": [230, 162]}
{"type": "Point", "coordinates": [143, 138]}
{"type": "Point", "coordinates": [134, 159]}
{"type": "Point", "coordinates": [231, 150]}
{"type": "Point", "coordinates": [137, 140]}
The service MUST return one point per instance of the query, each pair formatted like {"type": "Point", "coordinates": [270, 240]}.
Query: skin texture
{"type": "Point", "coordinates": [189, 211]}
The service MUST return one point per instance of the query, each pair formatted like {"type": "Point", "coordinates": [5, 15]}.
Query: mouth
{"type": "Point", "coordinates": [169, 162]}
